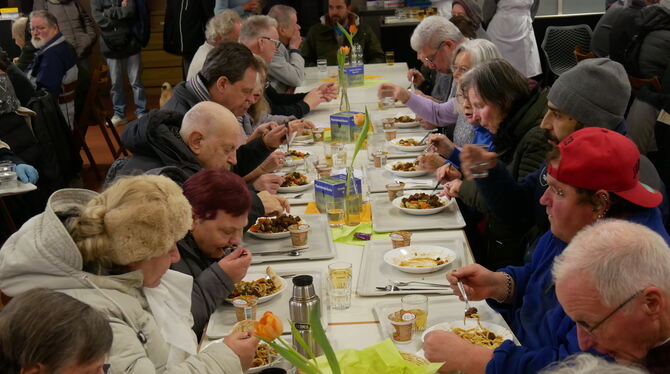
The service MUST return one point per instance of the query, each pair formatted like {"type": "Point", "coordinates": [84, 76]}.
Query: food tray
{"type": "Point", "coordinates": [378, 178]}
{"type": "Point", "coordinates": [222, 320]}
{"type": "Point", "coordinates": [306, 198]}
{"type": "Point", "coordinates": [379, 272]}
{"type": "Point", "coordinates": [440, 309]}
{"type": "Point", "coordinates": [320, 239]}
{"type": "Point", "coordinates": [386, 217]}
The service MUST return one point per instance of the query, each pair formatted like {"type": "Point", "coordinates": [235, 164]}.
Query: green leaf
{"type": "Point", "coordinates": [346, 34]}
{"type": "Point", "coordinates": [301, 341]}
{"type": "Point", "coordinates": [319, 335]}
{"type": "Point", "coordinates": [363, 135]}
{"type": "Point", "coordinates": [299, 362]}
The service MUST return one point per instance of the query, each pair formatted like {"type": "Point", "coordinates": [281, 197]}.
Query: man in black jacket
{"type": "Point", "coordinates": [220, 203]}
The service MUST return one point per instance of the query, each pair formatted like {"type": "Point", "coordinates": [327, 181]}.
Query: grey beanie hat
{"type": "Point", "coordinates": [595, 93]}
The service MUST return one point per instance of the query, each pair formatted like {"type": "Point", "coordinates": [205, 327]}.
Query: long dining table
{"type": "Point", "coordinates": [359, 326]}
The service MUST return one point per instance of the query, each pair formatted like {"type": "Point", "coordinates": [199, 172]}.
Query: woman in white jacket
{"type": "Point", "coordinates": [110, 251]}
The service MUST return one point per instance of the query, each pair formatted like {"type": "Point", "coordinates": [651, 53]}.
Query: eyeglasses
{"type": "Point", "coordinates": [277, 42]}
{"type": "Point", "coordinates": [431, 59]}
{"type": "Point", "coordinates": [589, 330]}
{"type": "Point", "coordinates": [38, 28]}
{"type": "Point", "coordinates": [105, 368]}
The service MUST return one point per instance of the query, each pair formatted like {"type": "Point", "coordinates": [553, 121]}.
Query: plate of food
{"type": "Point", "coordinates": [484, 334]}
{"type": "Point", "coordinates": [406, 121]}
{"type": "Point", "coordinates": [420, 259]}
{"type": "Point", "coordinates": [421, 204]}
{"type": "Point", "coordinates": [305, 136]}
{"type": "Point", "coordinates": [409, 144]}
{"type": "Point", "coordinates": [405, 169]}
{"type": "Point", "coordinates": [295, 182]}
{"type": "Point", "coordinates": [264, 357]}
{"type": "Point", "coordinates": [295, 157]}
{"type": "Point", "coordinates": [273, 227]}
{"type": "Point", "coordinates": [263, 286]}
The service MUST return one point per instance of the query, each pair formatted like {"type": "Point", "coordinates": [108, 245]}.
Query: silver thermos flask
{"type": "Point", "coordinates": [303, 301]}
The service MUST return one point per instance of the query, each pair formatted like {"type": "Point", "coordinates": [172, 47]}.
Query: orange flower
{"type": "Point", "coordinates": [345, 50]}
{"type": "Point", "coordinates": [353, 29]}
{"type": "Point", "coordinates": [269, 327]}
{"type": "Point", "coordinates": [359, 119]}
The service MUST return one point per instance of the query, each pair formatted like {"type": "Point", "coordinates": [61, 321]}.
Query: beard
{"type": "Point", "coordinates": [551, 138]}
{"type": "Point", "coordinates": [37, 42]}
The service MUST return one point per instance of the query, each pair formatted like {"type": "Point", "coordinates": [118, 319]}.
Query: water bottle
{"type": "Point", "coordinates": [357, 55]}
{"type": "Point", "coordinates": [303, 301]}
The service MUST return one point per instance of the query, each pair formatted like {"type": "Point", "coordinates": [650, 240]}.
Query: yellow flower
{"type": "Point", "coordinates": [359, 119]}
{"type": "Point", "coordinates": [353, 29]}
{"type": "Point", "coordinates": [345, 50]}
{"type": "Point", "coordinates": [269, 327]}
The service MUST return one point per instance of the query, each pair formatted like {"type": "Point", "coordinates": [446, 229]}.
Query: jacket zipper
{"type": "Point", "coordinates": [182, 8]}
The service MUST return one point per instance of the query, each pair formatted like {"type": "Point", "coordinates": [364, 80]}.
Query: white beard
{"type": "Point", "coordinates": [38, 43]}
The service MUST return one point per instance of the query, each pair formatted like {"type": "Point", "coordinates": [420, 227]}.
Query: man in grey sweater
{"type": "Point", "coordinates": [287, 68]}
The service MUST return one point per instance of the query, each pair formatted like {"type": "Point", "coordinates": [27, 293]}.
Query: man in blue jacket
{"type": "Point", "coordinates": [592, 174]}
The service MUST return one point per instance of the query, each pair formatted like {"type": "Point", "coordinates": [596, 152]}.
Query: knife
{"type": "Point", "coordinates": [383, 288]}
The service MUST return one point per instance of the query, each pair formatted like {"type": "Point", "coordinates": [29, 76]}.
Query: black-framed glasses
{"type": "Point", "coordinates": [431, 59]}
{"type": "Point", "coordinates": [105, 368]}
{"type": "Point", "coordinates": [277, 42]}
{"type": "Point", "coordinates": [590, 330]}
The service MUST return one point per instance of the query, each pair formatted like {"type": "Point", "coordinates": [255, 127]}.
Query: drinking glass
{"type": "Point", "coordinates": [417, 305]}
{"type": "Point", "coordinates": [339, 155]}
{"type": "Point", "coordinates": [390, 57]}
{"type": "Point", "coordinates": [335, 212]}
{"type": "Point", "coordinates": [322, 65]}
{"type": "Point", "coordinates": [477, 169]}
{"type": "Point", "coordinates": [339, 285]}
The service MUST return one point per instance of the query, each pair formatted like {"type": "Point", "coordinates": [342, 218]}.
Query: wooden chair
{"type": "Point", "coordinates": [94, 113]}
{"type": "Point", "coordinates": [581, 54]}
{"type": "Point", "coordinates": [637, 83]}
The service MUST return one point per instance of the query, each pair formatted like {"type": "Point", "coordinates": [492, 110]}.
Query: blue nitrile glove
{"type": "Point", "coordinates": [27, 173]}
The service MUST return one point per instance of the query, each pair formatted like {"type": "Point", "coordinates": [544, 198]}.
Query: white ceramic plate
{"type": "Point", "coordinates": [253, 276]}
{"type": "Point", "coordinates": [404, 174]}
{"type": "Point", "coordinates": [270, 236]}
{"type": "Point", "coordinates": [416, 148]}
{"type": "Point", "coordinates": [303, 138]}
{"type": "Point", "coordinates": [296, 188]}
{"type": "Point", "coordinates": [294, 160]}
{"type": "Point", "coordinates": [257, 369]}
{"type": "Point", "coordinates": [395, 256]}
{"type": "Point", "coordinates": [470, 323]}
{"type": "Point", "coordinates": [421, 212]}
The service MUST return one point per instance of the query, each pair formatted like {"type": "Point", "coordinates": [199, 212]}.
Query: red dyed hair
{"type": "Point", "coordinates": [209, 191]}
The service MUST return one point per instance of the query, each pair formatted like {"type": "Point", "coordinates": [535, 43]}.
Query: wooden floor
{"type": "Point", "coordinates": [100, 150]}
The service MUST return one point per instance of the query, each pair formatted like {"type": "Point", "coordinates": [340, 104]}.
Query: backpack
{"type": "Point", "coordinates": [651, 18]}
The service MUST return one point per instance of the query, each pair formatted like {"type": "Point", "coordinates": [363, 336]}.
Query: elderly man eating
{"type": "Point", "coordinates": [613, 281]}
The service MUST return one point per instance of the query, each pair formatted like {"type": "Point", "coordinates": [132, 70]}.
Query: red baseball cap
{"type": "Point", "coordinates": [595, 158]}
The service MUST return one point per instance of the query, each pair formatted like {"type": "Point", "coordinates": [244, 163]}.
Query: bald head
{"type": "Point", "coordinates": [213, 134]}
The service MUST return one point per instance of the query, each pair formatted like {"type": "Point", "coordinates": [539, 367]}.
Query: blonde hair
{"type": "Point", "coordinates": [19, 30]}
{"type": "Point", "coordinates": [221, 25]}
{"type": "Point", "coordinates": [137, 218]}
{"type": "Point", "coordinates": [260, 108]}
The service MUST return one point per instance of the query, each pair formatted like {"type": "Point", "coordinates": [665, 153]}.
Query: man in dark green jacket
{"type": "Point", "coordinates": [323, 40]}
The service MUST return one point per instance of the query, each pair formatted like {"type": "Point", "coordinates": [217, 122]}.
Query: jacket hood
{"type": "Point", "coordinates": [326, 20]}
{"type": "Point", "coordinates": [156, 136]}
{"type": "Point", "coordinates": [472, 9]}
{"type": "Point", "coordinates": [42, 253]}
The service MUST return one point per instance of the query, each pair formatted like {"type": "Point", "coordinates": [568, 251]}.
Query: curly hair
{"type": "Point", "coordinates": [136, 218]}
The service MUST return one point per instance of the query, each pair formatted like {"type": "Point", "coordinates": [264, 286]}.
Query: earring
{"type": "Point", "coordinates": [600, 216]}
{"type": "Point", "coordinates": [604, 197]}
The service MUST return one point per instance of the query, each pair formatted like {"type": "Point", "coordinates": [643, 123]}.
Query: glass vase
{"type": "Point", "coordinates": [344, 99]}
{"type": "Point", "coordinates": [353, 202]}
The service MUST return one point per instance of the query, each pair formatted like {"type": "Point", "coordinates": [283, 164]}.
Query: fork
{"type": "Point", "coordinates": [297, 196]}
{"type": "Point", "coordinates": [406, 283]}
{"type": "Point", "coordinates": [411, 84]}
{"type": "Point", "coordinates": [465, 298]}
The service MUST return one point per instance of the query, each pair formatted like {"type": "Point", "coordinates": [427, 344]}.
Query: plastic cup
{"type": "Point", "coordinates": [339, 285]}
{"type": "Point", "coordinates": [245, 308]}
{"type": "Point", "coordinates": [417, 305]}
{"type": "Point", "coordinates": [388, 123]}
{"type": "Point", "coordinates": [400, 238]}
{"type": "Point", "coordinates": [403, 325]}
{"type": "Point", "coordinates": [335, 213]}
{"type": "Point", "coordinates": [322, 65]}
{"type": "Point", "coordinates": [318, 134]}
{"type": "Point", "coordinates": [380, 158]}
{"type": "Point", "coordinates": [390, 57]}
{"type": "Point", "coordinates": [390, 134]}
{"type": "Point", "coordinates": [394, 189]}
{"type": "Point", "coordinates": [299, 235]}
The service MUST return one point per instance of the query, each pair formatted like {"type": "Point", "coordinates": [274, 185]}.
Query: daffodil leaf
{"type": "Point", "coordinates": [301, 341]}
{"type": "Point", "coordinates": [362, 136]}
{"type": "Point", "coordinates": [319, 335]}
{"type": "Point", "coordinates": [299, 362]}
{"type": "Point", "coordinates": [346, 34]}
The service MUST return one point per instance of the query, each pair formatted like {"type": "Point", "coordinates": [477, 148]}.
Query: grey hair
{"type": "Point", "coordinates": [664, 3]}
{"type": "Point", "coordinates": [19, 28]}
{"type": "Point", "coordinates": [497, 82]}
{"type": "Point", "coordinates": [619, 257]}
{"type": "Point", "coordinates": [255, 27]}
{"type": "Point", "coordinates": [282, 14]}
{"type": "Point", "coordinates": [221, 25]}
{"type": "Point", "coordinates": [432, 31]}
{"type": "Point", "coordinates": [50, 18]}
{"type": "Point", "coordinates": [480, 50]}
{"type": "Point", "coordinates": [583, 363]}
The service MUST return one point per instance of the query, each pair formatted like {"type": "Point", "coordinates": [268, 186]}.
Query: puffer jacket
{"type": "Point", "coordinates": [655, 50]}
{"type": "Point", "coordinates": [73, 21]}
{"type": "Point", "coordinates": [116, 27]}
{"type": "Point", "coordinates": [42, 254]}
{"type": "Point", "coordinates": [523, 151]}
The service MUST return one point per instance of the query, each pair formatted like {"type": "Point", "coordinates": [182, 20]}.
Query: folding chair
{"type": "Point", "coordinates": [559, 46]}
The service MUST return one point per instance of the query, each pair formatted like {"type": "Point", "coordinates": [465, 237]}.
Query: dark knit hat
{"type": "Point", "coordinates": [595, 93]}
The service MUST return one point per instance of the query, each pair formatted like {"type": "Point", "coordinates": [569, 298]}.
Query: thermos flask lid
{"type": "Point", "coordinates": [302, 280]}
